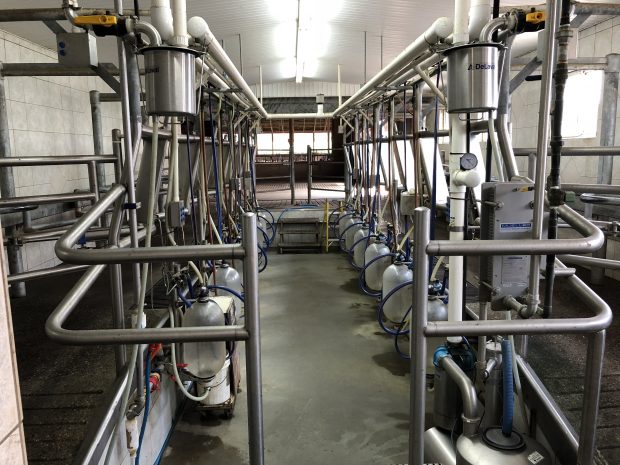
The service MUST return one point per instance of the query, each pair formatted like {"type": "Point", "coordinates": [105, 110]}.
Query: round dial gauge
{"type": "Point", "coordinates": [469, 161]}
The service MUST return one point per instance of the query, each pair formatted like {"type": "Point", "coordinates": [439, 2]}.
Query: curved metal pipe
{"type": "Point", "coordinates": [503, 22]}
{"type": "Point", "coordinates": [145, 28]}
{"type": "Point", "coordinates": [471, 406]}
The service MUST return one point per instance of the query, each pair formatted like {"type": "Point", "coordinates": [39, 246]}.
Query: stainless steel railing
{"type": "Point", "coordinates": [594, 327]}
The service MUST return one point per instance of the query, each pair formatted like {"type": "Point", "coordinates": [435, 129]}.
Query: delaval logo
{"type": "Point", "coordinates": [482, 66]}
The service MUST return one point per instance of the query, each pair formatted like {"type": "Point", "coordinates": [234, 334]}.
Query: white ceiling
{"type": "Point", "coordinates": [266, 42]}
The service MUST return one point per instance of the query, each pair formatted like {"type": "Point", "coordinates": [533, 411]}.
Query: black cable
{"type": "Point", "coordinates": [136, 7]}
{"type": "Point", "coordinates": [559, 76]}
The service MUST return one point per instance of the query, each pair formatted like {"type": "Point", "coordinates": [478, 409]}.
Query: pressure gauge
{"type": "Point", "coordinates": [469, 161]}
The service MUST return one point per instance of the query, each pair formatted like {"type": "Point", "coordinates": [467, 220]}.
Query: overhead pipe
{"type": "Point", "coordinates": [179, 23]}
{"type": "Point", "coordinates": [479, 14]}
{"type": "Point", "coordinates": [438, 31]}
{"type": "Point", "coordinates": [199, 30]}
{"type": "Point", "coordinates": [161, 18]}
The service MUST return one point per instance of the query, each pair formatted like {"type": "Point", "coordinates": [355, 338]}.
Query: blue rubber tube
{"type": "Point", "coordinates": [343, 236]}
{"type": "Point", "coordinates": [382, 303]}
{"type": "Point", "coordinates": [227, 289]}
{"type": "Point", "coordinates": [147, 403]}
{"type": "Point", "coordinates": [352, 251]}
{"type": "Point", "coordinates": [362, 279]}
{"type": "Point", "coordinates": [508, 390]}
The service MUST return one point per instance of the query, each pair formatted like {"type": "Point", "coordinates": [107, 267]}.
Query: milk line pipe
{"type": "Point", "coordinates": [542, 146]}
{"type": "Point", "coordinates": [594, 326]}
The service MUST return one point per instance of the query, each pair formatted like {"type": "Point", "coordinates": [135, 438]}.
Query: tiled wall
{"type": "Point", "coordinates": [12, 449]}
{"type": "Point", "coordinates": [51, 116]}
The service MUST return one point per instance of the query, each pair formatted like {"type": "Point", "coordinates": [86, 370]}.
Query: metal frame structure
{"type": "Point", "coordinates": [594, 327]}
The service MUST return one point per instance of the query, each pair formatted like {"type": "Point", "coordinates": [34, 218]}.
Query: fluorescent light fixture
{"type": "Point", "coordinates": [303, 33]}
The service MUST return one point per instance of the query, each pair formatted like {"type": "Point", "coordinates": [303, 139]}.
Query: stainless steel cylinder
{"type": "Point", "coordinates": [473, 82]}
{"type": "Point", "coordinates": [170, 75]}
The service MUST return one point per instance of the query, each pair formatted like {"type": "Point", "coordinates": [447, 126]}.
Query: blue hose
{"type": "Point", "coordinates": [362, 278]}
{"type": "Point", "coordinates": [382, 303]}
{"type": "Point", "coordinates": [343, 235]}
{"type": "Point", "coordinates": [508, 390]}
{"type": "Point", "coordinates": [227, 289]}
{"type": "Point", "coordinates": [147, 403]}
{"type": "Point", "coordinates": [186, 302]}
{"type": "Point", "coordinates": [351, 252]}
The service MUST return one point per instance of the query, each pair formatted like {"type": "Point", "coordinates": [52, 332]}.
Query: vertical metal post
{"type": "Point", "coordinates": [356, 160]}
{"type": "Point", "coordinates": [117, 150]}
{"type": "Point", "coordinates": [260, 80]}
{"type": "Point", "coordinates": [127, 143]}
{"type": "Point", "coordinates": [309, 156]}
{"type": "Point", "coordinates": [591, 397]}
{"type": "Point", "coordinates": [417, 391]}
{"type": "Point", "coordinates": [7, 189]}
{"type": "Point", "coordinates": [93, 184]}
{"type": "Point", "coordinates": [546, 91]}
{"type": "Point", "coordinates": [291, 158]}
{"type": "Point", "coordinates": [95, 113]}
{"type": "Point", "coordinates": [608, 139]}
{"type": "Point", "coordinates": [252, 346]}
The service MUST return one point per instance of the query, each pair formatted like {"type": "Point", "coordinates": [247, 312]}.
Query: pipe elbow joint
{"type": "Point", "coordinates": [467, 178]}
{"type": "Point", "coordinates": [136, 25]}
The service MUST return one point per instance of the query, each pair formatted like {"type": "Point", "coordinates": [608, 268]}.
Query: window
{"type": "Point", "coordinates": [582, 97]}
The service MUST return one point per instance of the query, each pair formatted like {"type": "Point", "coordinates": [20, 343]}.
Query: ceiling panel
{"type": "Point", "coordinates": [256, 25]}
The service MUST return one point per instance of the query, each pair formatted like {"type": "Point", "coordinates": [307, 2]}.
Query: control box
{"type": "Point", "coordinates": [507, 214]}
{"type": "Point", "coordinates": [78, 49]}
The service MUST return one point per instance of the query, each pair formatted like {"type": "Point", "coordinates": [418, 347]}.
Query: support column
{"type": "Point", "coordinates": [95, 112]}
{"type": "Point", "coordinates": [291, 158]}
{"type": "Point", "coordinates": [608, 139]}
{"type": "Point", "coordinates": [7, 189]}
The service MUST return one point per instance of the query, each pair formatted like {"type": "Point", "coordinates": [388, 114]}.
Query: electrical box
{"type": "Point", "coordinates": [407, 203]}
{"type": "Point", "coordinates": [77, 49]}
{"type": "Point", "coordinates": [507, 214]}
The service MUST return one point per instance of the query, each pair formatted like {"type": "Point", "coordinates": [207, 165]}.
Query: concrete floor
{"type": "Point", "coordinates": [335, 392]}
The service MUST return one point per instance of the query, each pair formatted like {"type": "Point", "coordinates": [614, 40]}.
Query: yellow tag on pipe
{"type": "Point", "coordinates": [535, 17]}
{"type": "Point", "coordinates": [96, 20]}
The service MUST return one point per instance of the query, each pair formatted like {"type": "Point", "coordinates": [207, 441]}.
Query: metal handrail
{"type": "Point", "coordinates": [592, 241]}
{"type": "Point", "coordinates": [65, 251]}
{"type": "Point", "coordinates": [57, 160]}
{"type": "Point", "coordinates": [421, 328]}
{"type": "Point", "coordinates": [249, 332]}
